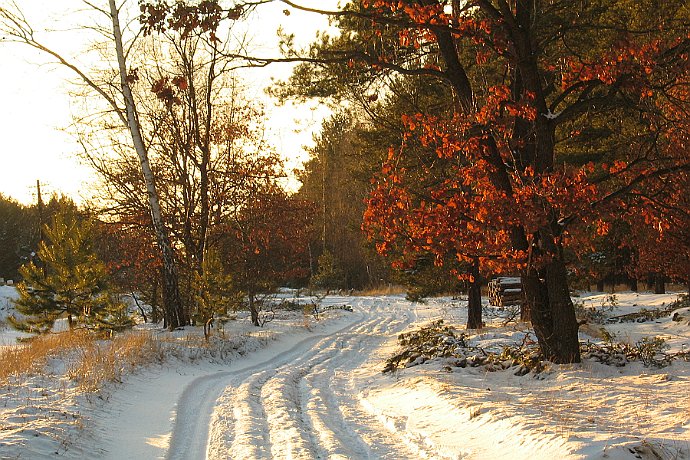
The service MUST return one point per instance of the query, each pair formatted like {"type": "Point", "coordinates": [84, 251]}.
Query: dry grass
{"type": "Point", "coordinates": [90, 360]}
{"type": "Point", "coordinates": [384, 289]}
{"type": "Point", "coordinates": [31, 356]}
{"type": "Point", "coordinates": [108, 360]}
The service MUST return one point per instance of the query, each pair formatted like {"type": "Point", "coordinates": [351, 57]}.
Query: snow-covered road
{"type": "Point", "coordinates": [315, 390]}
{"type": "Point", "coordinates": [322, 395]}
{"type": "Point", "coordinates": [300, 403]}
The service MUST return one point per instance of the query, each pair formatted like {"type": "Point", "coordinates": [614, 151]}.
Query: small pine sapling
{"type": "Point", "coordinates": [330, 275]}
{"type": "Point", "coordinates": [69, 281]}
{"type": "Point", "coordinates": [214, 294]}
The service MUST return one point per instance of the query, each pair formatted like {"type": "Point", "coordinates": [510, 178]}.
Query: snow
{"type": "Point", "coordinates": [301, 388]}
{"type": "Point", "coordinates": [550, 115]}
{"type": "Point", "coordinates": [677, 335]}
{"type": "Point", "coordinates": [8, 336]}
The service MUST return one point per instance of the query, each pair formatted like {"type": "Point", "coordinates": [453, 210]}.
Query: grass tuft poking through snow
{"type": "Point", "coordinates": [101, 361]}
{"type": "Point", "coordinates": [90, 360]}
{"type": "Point", "coordinates": [31, 356]}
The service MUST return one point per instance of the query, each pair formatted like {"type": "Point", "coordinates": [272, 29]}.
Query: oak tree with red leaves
{"type": "Point", "coordinates": [506, 192]}
{"type": "Point", "coordinates": [660, 235]}
{"type": "Point", "coordinates": [522, 166]}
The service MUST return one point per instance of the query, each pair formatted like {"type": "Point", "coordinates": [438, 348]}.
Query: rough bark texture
{"type": "Point", "coordinates": [174, 313]}
{"type": "Point", "coordinates": [525, 309]}
{"type": "Point", "coordinates": [547, 298]}
{"type": "Point", "coordinates": [474, 299]}
{"type": "Point", "coordinates": [552, 312]}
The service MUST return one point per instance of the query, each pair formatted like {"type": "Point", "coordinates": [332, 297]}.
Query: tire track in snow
{"type": "Point", "coordinates": [246, 433]}
{"type": "Point", "coordinates": [341, 395]}
{"type": "Point", "coordinates": [250, 432]}
{"type": "Point", "coordinates": [305, 416]}
{"type": "Point", "coordinates": [338, 438]}
{"type": "Point", "coordinates": [301, 403]}
{"type": "Point", "coordinates": [195, 408]}
{"type": "Point", "coordinates": [248, 416]}
{"type": "Point", "coordinates": [286, 400]}
{"type": "Point", "coordinates": [291, 433]}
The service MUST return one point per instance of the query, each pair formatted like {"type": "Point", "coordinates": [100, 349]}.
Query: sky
{"type": "Point", "coordinates": [37, 106]}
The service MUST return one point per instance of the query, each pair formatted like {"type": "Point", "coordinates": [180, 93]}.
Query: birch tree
{"type": "Point", "coordinates": [16, 28]}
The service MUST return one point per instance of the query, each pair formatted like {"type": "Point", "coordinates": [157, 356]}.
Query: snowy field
{"type": "Point", "coordinates": [307, 389]}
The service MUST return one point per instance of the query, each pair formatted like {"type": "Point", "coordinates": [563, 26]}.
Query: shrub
{"type": "Point", "coordinates": [330, 275]}
{"type": "Point", "coordinates": [652, 352]}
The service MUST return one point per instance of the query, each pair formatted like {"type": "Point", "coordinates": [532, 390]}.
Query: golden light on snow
{"type": "Point", "coordinates": [162, 442]}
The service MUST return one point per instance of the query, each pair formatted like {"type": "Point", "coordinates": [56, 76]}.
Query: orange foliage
{"type": "Point", "coordinates": [457, 201]}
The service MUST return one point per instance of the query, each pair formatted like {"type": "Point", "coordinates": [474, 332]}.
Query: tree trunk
{"type": "Point", "coordinates": [171, 294]}
{"type": "Point", "coordinates": [253, 311]}
{"type": "Point", "coordinates": [141, 309]}
{"type": "Point", "coordinates": [155, 318]}
{"type": "Point", "coordinates": [207, 328]}
{"type": "Point", "coordinates": [632, 284]}
{"type": "Point", "coordinates": [600, 286]}
{"type": "Point", "coordinates": [474, 298]}
{"type": "Point", "coordinates": [547, 298]}
{"type": "Point", "coordinates": [659, 285]}
{"type": "Point", "coordinates": [546, 292]}
{"type": "Point", "coordinates": [203, 140]}
{"type": "Point", "coordinates": [552, 312]}
{"type": "Point", "coordinates": [525, 310]}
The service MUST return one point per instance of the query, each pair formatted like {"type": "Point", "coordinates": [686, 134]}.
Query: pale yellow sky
{"type": "Point", "coordinates": [37, 107]}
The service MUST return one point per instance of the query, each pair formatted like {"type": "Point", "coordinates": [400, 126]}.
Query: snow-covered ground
{"type": "Point", "coordinates": [318, 392]}
{"type": "Point", "coordinates": [8, 336]}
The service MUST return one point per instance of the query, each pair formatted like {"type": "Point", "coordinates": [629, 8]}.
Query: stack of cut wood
{"type": "Point", "coordinates": [505, 291]}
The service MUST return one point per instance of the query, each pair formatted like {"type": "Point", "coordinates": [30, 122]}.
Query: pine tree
{"type": "Point", "coordinates": [329, 276]}
{"type": "Point", "coordinates": [69, 280]}
{"type": "Point", "coordinates": [214, 291]}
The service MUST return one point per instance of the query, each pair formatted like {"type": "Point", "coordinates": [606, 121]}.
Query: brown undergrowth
{"type": "Point", "coordinates": [382, 290]}
{"type": "Point", "coordinates": [90, 359]}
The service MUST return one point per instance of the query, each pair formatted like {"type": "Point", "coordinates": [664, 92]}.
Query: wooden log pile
{"type": "Point", "coordinates": [505, 291]}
